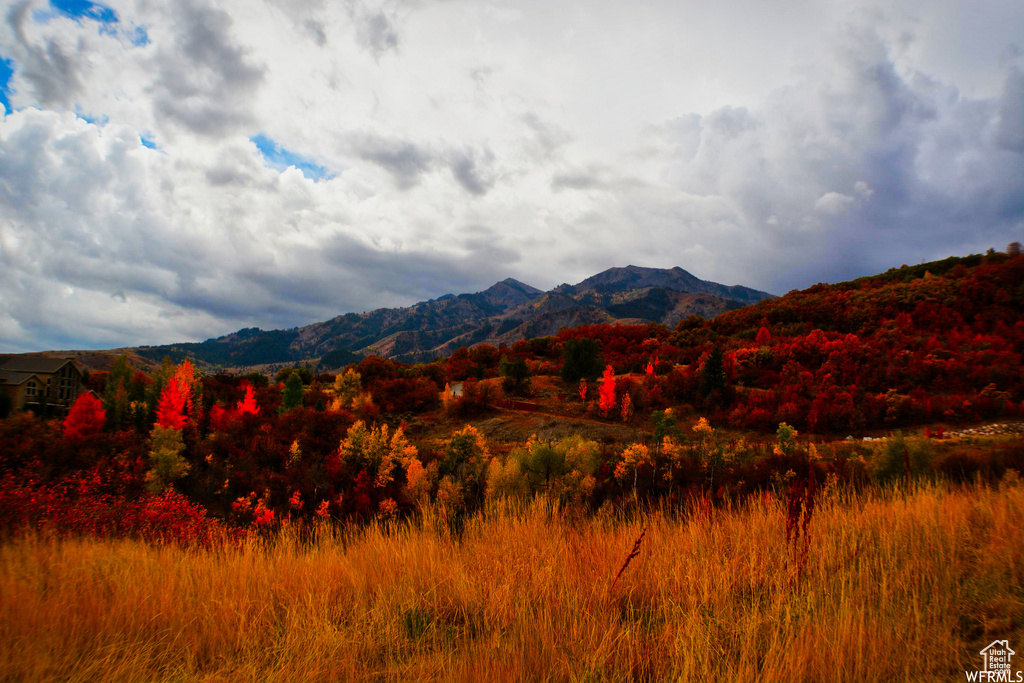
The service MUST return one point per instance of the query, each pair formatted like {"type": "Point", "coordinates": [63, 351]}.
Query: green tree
{"type": "Point", "coordinates": [712, 376]}
{"type": "Point", "coordinates": [543, 462]}
{"type": "Point", "coordinates": [292, 392]}
{"type": "Point", "coordinates": [305, 375]}
{"type": "Point", "coordinates": [515, 375]}
{"type": "Point", "coordinates": [581, 358]}
{"type": "Point", "coordinates": [167, 464]}
{"type": "Point", "coordinates": [115, 393]}
{"type": "Point", "coordinates": [464, 466]}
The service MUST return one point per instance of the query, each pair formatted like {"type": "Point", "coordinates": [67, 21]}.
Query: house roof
{"type": "Point", "coordinates": [33, 364]}
{"type": "Point", "coordinates": [15, 377]}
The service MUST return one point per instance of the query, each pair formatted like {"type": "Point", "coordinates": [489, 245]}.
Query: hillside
{"type": "Point", "coordinates": [506, 312]}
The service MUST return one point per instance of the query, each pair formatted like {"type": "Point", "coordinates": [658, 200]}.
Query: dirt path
{"type": "Point", "coordinates": [515, 425]}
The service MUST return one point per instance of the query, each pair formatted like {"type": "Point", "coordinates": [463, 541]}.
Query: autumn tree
{"type": "Point", "coordinates": [166, 462]}
{"type": "Point", "coordinates": [563, 469]}
{"type": "Point", "coordinates": [606, 400]}
{"type": "Point", "coordinates": [248, 406]}
{"type": "Point", "coordinates": [170, 411]}
{"type": "Point", "coordinates": [633, 458]}
{"type": "Point", "coordinates": [345, 389]}
{"type": "Point", "coordinates": [673, 452]}
{"type": "Point", "coordinates": [85, 418]}
{"type": "Point", "coordinates": [464, 468]}
{"type": "Point", "coordinates": [377, 450]}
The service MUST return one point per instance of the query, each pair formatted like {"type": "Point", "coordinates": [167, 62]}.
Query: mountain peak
{"type": "Point", "coordinates": [511, 291]}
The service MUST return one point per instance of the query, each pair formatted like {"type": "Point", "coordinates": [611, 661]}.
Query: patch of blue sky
{"type": "Point", "coordinates": [279, 158]}
{"type": "Point", "coordinates": [109, 22]}
{"type": "Point", "coordinates": [91, 118]}
{"type": "Point", "coordinates": [138, 36]}
{"type": "Point", "coordinates": [6, 71]}
{"type": "Point", "coordinates": [147, 141]}
{"type": "Point", "coordinates": [84, 9]}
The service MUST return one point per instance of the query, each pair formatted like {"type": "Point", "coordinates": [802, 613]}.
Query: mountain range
{"type": "Point", "coordinates": [504, 313]}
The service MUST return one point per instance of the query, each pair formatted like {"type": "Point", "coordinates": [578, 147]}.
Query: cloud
{"type": "Point", "coordinates": [48, 68]}
{"type": "Point", "coordinates": [1010, 127]}
{"type": "Point", "coordinates": [404, 160]}
{"type": "Point", "coordinates": [205, 82]}
{"type": "Point", "coordinates": [856, 154]}
{"type": "Point", "coordinates": [105, 241]}
{"type": "Point", "coordinates": [377, 34]}
{"type": "Point", "coordinates": [190, 195]}
{"type": "Point", "coordinates": [473, 170]}
{"type": "Point", "coordinates": [833, 203]}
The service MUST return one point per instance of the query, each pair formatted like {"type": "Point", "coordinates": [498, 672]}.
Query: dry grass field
{"type": "Point", "coordinates": [894, 585]}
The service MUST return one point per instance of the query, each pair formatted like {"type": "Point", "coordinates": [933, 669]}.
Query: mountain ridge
{"type": "Point", "coordinates": [505, 312]}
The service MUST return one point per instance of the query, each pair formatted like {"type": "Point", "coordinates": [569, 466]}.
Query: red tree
{"type": "Point", "coordinates": [185, 374]}
{"type": "Point", "coordinates": [170, 412]}
{"type": "Point", "coordinates": [248, 404]}
{"type": "Point", "coordinates": [85, 418]}
{"type": "Point", "coordinates": [607, 394]}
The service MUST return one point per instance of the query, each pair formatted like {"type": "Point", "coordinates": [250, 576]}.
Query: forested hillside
{"type": "Point", "coordinates": [704, 407]}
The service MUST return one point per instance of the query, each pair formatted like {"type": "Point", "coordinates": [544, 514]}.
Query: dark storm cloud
{"type": "Point", "coordinates": [855, 157]}
{"type": "Point", "coordinates": [49, 69]}
{"type": "Point", "coordinates": [1010, 129]}
{"type": "Point", "coordinates": [205, 82]}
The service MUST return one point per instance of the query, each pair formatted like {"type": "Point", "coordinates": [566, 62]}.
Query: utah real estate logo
{"type": "Point", "coordinates": [997, 665]}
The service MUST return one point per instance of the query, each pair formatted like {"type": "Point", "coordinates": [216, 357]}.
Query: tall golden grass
{"type": "Point", "coordinates": [899, 585]}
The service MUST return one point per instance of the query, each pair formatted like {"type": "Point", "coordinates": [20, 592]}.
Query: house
{"type": "Point", "coordinates": [40, 383]}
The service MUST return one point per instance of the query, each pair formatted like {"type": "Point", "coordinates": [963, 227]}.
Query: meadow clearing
{"type": "Point", "coordinates": [904, 582]}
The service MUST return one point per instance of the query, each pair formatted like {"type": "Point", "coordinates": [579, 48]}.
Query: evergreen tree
{"type": "Point", "coordinates": [515, 375]}
{"type": "Point", "coordinates": [581, 359]}
{"type": "Point", "coordinates": [713, 374]}
{"type": "Point", "coordinates": [292, 392]}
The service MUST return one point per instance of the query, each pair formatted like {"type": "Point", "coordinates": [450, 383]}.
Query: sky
{"type": "Point", "coordinates": [174, 171]}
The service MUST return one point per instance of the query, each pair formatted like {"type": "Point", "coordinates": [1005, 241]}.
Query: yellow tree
{"type": "Point", "coordinates": [633, 458]}
{"type": "Point", "coordinates": [377, 450]}
{"type": "Point", "coordinates": [673, 452]}
{"type": "Point", "coordinates": [345, 389]}
{"type": "Point", "coordinates": [711, 453]}
{"type": "Point", "coordinates": [464, 467]}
